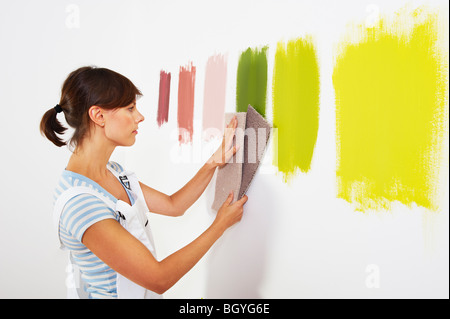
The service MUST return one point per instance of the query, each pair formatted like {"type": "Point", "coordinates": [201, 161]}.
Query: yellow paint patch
{"type": "Point", "coordinates": [390, 83]}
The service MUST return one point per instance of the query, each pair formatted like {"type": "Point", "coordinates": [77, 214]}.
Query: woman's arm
{"type": "Point", "coordinates": [179, 202]}
{"type": "Point", "coordinates": [115, 246]}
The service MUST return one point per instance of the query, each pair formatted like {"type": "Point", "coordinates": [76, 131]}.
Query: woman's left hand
{"type": "Point", "coordinates": [224, 153]}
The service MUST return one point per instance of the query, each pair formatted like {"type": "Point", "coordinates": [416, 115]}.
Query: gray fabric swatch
{"type": "Point", "coordinates": [255, 142]}
{"type": "Point", "coordinates": [252, 134]}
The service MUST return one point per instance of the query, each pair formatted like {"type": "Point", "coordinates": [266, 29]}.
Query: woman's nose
{"type": "Point", "coordinates": [140, 118]}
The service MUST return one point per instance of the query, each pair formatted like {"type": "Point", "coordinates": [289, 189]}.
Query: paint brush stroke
{"type": "Point", "coordinates": [251, 82]}
{"type": "Point", "coordinates": [390, 87]}
{"type": "Point", "coordinates": [186, 90]}
{"type": "Point", "coordinates": [214, 96]}
{"type": "Point", "coordinates": [164, 95]}
{"type": "Point", "coordinates": [296, 91]}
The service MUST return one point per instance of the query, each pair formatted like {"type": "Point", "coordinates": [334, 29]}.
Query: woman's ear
{"type": "Point", "coordinates": [96, 115]}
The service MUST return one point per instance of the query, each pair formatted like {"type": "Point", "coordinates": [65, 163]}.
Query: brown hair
{"type": "Point", "coordinates": [83, 88]}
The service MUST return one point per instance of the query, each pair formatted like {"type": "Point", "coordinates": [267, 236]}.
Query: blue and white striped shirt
{"type": "Point", "coordinates": [79, 214]}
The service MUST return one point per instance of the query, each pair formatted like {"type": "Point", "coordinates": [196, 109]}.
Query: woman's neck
{"type": "Point", "coordinates": [90, 159]}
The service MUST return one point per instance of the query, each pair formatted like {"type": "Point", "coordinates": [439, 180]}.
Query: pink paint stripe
{"type": "Point", "coordinates": [186, 88]}
{"type": "Point", "coordinates": [164, 94]}
{"type": "Point", "coordinates": [214, 96]}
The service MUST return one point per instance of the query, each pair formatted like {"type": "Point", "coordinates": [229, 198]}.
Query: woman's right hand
{"type": "Point", "coordinates": [229, 214]}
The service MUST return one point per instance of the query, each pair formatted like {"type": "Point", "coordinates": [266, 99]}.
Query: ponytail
{"type": "Point", "coordinates": [50, 126]}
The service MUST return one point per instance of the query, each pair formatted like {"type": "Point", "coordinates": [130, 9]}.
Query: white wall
{"type": "Point", "coordinates": [294, 241]}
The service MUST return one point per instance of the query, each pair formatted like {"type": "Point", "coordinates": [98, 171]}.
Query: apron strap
{"type": "Point", "coordinates": [130, 181]}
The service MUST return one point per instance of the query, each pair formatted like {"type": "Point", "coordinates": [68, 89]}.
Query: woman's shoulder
{"type": "Point", "coordinates": [82, 211]}
{"type": "Point", "coordinates": [69, 180]}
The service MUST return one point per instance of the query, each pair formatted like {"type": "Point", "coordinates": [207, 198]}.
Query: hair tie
{"type": "Point", "coordinates": [58, 108]}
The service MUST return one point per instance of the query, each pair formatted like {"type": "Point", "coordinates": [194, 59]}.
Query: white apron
{"type": "Point", "coordinates": [132, 218]}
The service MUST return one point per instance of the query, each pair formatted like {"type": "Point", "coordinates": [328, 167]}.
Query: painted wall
{"type": "Point", "coordinates": [297, 239]}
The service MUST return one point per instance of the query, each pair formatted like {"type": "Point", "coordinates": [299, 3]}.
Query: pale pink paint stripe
{"type": "Point", "coordinates": [186, 90]}
{"type": "Point", "coordinates": [214, 96]}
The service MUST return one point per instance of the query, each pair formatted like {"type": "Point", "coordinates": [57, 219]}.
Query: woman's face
{"type": "Point", "coordinates": [121, 124]}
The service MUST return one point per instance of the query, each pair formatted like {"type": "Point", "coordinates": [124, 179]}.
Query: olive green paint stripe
{"type": "Point", "coordinates": [251, 82]}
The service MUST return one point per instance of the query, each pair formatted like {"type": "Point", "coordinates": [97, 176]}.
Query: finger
{"type": "Point", "coordinates": [231, 128]}
{"type": "Point", "coordinates": [228, 143]}
{"type": "Point", "coordinates": [229, 198]}
{"type": "Point", "coordinates": [229, 132]}
{"type": "Point", "coordinates": [232, 122]}
{"type": "Point", "coordinates": [228, 136]}
{"type": "Point", "coordinates": [243, 200]}
{"type": "Point", "coordinates": [229, 154]}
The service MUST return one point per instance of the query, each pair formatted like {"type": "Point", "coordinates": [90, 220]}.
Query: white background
{"type": "Point", "coordinates": [295, 240]}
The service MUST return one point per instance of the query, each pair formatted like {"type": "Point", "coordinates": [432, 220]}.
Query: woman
{"type": "Point", "coordinates": [100, 105]}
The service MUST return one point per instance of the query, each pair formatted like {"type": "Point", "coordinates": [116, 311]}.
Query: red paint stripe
{"type": "Point", "coordinates": [164, 94]}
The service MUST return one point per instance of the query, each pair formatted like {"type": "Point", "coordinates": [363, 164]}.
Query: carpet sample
{"type": "Point", "coordinates": [252, 135]}
{"type": "Point", "coordinates": [229, 177]}
{"type": "Point", "coordinates": [255, 142]}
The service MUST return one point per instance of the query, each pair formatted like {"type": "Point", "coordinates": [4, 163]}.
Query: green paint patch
{"type": "Point", "coordinates": [296, 91]}
{"type": "Point", "coordinates": [251, 84]}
